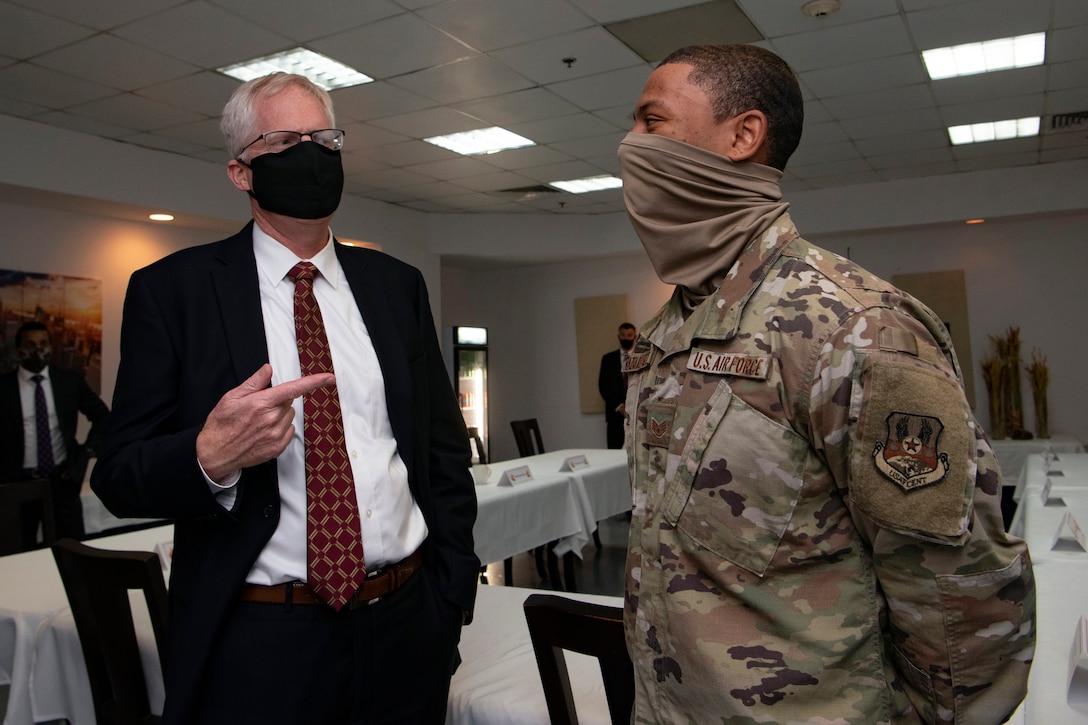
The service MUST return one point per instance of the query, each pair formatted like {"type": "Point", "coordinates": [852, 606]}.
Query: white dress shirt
{"type": "Point", "coordinates": [392, 524]}
{"type": "Point", "coordinates": [27, 388]}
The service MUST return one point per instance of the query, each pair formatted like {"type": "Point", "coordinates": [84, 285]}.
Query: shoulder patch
{"type": "Point", "coordinates": [913, 463]}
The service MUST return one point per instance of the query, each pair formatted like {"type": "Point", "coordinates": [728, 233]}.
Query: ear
{"type": "Point", "coordinates": [239, 175]}
{"type": "Point", "coordinates": [749, 137]}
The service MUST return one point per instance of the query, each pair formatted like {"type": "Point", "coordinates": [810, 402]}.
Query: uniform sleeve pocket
{"type": "Point", "coordinates": [747, 479]}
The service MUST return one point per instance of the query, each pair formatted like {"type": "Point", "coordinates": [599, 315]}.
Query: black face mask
{"type": "Point", "coordinates": [304, 182]}
{"type": "Point", "coordinates": [627, 344]}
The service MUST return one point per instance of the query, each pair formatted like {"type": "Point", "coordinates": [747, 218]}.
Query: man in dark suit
{"type": "Point", "coordinates": [613, 387]}
{"type": "Point", "coordinates": [54, 454]}
{"type": "Point", "coordinates": [212, 426]}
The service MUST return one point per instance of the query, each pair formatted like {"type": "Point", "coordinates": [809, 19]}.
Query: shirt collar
{"type": "Point", "coordinates": [274, 260]}
{"type": "Point", "coordinates": [25, 376]}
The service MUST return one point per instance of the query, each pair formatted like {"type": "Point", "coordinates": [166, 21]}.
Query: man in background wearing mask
{"type": "Point", "coordinates": [40, 406]}
{"type": "Point", "coordinates": [612, 386]}
{"type": "Point", "coordinates": [817, 534]}
{"type": "Point", "coordinates": [323, 562]}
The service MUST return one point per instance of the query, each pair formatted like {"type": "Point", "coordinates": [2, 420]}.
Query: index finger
{"type": "Point", "coordinates": [288, 391]}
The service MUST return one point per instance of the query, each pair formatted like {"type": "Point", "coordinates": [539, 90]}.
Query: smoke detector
{"type": "Point", "coordinates": [820, 8]}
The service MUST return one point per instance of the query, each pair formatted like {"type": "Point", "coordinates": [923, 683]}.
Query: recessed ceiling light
{"type": "Point", "coordinates": [989, 55]}
{"type": "Point", "coordinates": [994, 130]}
{"type": "Point", "coordinates": [161, 217]}
{"type": "Point", "coordinates": [323, 71]}
{"type": "Point", "coordinates": [589, 183]}
{"type": "Point", "coordinates": [480, 141]}
{"type": "Point", "coordinates": [975, 221]}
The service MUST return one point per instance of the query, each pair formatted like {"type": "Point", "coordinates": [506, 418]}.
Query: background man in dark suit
{"type": "Point", "coordinates": [199, 435]}
{"type": "Point", "coordinates": [613, 387]}
{"type": "Point", "coordinates": [57, 455]}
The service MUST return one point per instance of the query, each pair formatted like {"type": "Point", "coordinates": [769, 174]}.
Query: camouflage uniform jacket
{"type": "Point", "coordinates": [817, 534]}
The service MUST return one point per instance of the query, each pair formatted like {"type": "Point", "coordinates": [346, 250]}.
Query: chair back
{"type": "Point", "coordinates": [558, 623]}
{"type": "Point", "coordinates": [14, 498]}
{"type": "Point", "coordinates": [526, 432]}
{"type": "Point", "coordinates": [474, 436]}
{"type": "Point", "coordinates": [98, 583]}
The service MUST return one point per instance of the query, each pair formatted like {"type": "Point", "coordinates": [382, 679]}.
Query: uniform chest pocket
{"type": "Point", "coordinates": [735, 487]}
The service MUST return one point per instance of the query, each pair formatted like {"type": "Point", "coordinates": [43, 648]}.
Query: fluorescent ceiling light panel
{"type": "Point", "coordinates": [480, 141]}
{"type": "Point", "coordinates": [589, 183]}
{"type": "Point", "coordinates": [994, 130]}
{"type": "Point", "coordinates": [990, 55]}
{"type": "Point", "coordinates": [323, 71]}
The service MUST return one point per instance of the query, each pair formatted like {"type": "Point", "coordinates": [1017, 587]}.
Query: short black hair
{"type": "Point", "coordinates": [627, 326]}
{"type": "Point", "coordinates": [27, 327]}
{"type": "Point", "coordinates": [740, 78]}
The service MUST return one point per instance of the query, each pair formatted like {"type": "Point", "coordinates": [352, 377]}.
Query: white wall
{"type": "Point", "coordinates": [1027, 273]}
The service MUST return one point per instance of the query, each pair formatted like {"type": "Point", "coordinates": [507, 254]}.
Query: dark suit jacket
{"type": "Point", "coordinates": [611, 385]}
{"type": "Point", "coordinates": [192, 330]}
{"type": "Point", "coordinates": [72, 396]}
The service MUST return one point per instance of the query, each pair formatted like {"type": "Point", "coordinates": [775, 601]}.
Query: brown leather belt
{"type": "Point", "coordinates": [377, 584]}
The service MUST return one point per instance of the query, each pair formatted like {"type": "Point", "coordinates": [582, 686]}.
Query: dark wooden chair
{"type": "Point", "coordinates": [14, 499]}
{"type": "Point", "coordinates": [526, 432]}
{"type": "Point", "coordinates": [556, 624]}
{"type": "Point", "coordinates": [98, 583]}
{"type": "Point", "coordinates": [474, 438]}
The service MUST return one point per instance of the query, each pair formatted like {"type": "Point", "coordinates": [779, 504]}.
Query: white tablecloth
{"type": "Point", "coordinates": [1012, 455]}
{"type": "Point", "coordinates": [555, 505]}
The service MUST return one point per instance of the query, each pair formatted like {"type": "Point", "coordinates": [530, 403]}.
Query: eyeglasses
{"type": "Point", "coordinates": [274, 141]}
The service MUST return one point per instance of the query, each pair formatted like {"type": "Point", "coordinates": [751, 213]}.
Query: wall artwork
{"type": "Point", "coordinates": [70, 307]}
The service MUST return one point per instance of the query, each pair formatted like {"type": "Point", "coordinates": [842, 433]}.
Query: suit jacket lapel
{"type": "Point", "coordinates": [382, 320]}
{"type": "Point", "coordinates": [234, 277]}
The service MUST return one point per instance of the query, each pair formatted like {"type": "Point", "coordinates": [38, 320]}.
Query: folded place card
{"type": "Point", "coordinates": [1078, 665]}
{"type": "Point", "coordinates": [1045, 495]}
{"type": "Point", "coordinates": [515, 475]}
{"type": "Point", "coordinates": [574, 463]}
{"type": "Point", "coordinates": [1063, 543]}
{"type": "Point", "coordinates": [165, 550]}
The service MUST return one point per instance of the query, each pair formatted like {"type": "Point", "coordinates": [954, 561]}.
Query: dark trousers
{"type": "Point", "coordinates": [67, 510]}
{"type": "Point", "coordinates": [614, 431]}
{"type": "Point", "coordinates": [389, 662]}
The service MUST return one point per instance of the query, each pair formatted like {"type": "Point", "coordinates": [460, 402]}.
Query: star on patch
{"type": "Point", "coordinates": [910, 456]}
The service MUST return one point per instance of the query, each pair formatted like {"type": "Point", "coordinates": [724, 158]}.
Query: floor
{"type": "Point", "coordinates": [599, 571]}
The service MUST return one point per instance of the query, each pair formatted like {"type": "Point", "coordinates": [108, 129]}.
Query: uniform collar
{"type": "Point", "coordinates": [274, 260]}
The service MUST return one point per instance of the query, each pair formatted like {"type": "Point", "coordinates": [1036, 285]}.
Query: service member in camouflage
{"type": "Point", "coordinates": [817, 535]}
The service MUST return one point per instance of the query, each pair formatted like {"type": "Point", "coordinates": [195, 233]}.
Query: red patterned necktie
{"type": "Point", "coordinates": [334, 545]}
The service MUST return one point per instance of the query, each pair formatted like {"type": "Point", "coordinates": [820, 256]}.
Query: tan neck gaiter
{"type": "Point", "coordinates": [695, 210]}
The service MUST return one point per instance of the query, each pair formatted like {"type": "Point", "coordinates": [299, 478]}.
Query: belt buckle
{"type": "Point", "coordinates": [355, 602]}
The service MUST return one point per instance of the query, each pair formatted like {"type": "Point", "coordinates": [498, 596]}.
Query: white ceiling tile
{"type": "Point", "coordinates": [463, 80]}
{"type": "Point", "coordinates": [560, 172]}
{"type": "Point", "coordinates": [1066, 44]}
{"type": "Point", "coordinates": [997, 109]}
{"type": "Point", "coordinates": [83, 124]}
{"type": "Point", "coordinates": [917, 171]}
{"type": "Point", "coordinates": [429, 122]}
{"type": "Point", "coordinates": [495, 181]}
{"type": "Point", "coordinates": [312, 20]}
{"type": "Point", "coordinates": [99, 15]}
{"type": "Point", "coordinates": [206, 92]}
{"type": "Point", "coordinates": [853, 43]}
{"type": "Point", "coordinates": [562, 129]}
{"type": "Point", "coordinates": [846, 179]}
{"type": "Point", "coordinates": [390, 178]}
{"type": "Point", "coordinates": [874, 103]}
{"type": "Point", "coordinates": [595, 51]}
{"type": "Point", "coordinates": [808, 154]}
{"type": "Point", "coordinates": [203, 34]}
{"type": "Point", "coordinates": [376, 100]}
{"type": "Point", "coordinates": [592, 146]}
{"type": "Point", "coordinates": [509, 22]}
{"type": "Point", "coordinates": [597, 92]}
{"type": "Point", "coordinates": [986, 86]}
{"type": "Point", "coordinates": [378, 49]}
{"type": "Point", "coordinates": [1071, 100]}
{"type": "Point", "coordinates": [610, 11]}
{"type": "Point", "coordinates": [1068, 75]}
{"type": "Point", "coordinates": [97, 59]}
{"type": "Point", "coordinates": [357, 162]}
{"type": "Point", "coordinates": [366, 135]}
{"type": "Point", "coordinates": [775, 19]}
{"type": "Point", "coordinates": [25, 33]}
{"type": "Point", "coordinates": [1070, 12]}
{"type": "Point", "coordinates": [10, 107]}
{"type": "Point", "coordinates": [409, 153]}
{"type": "Point", "coordinates": [164, 143]}
{"type": "Point", "coordinates": [978, 20]}
{"type": "Point", "coordinates": [136, 112]}
{"type": "Point", "coordinates": [205, 134]}
{"type": "Point", "coordinates": [904, 143]}
{"type": "Point", "coordinates": [527, 105]}
{"type": "Point", "coordinates": [920, 157]}
{"type": "Point", "coordinates": [455, 168]}
{"type": "Point", "coordinates": [433, 190]}
{"type": "Point", "coordinates": [818, 134]}
{"type": "Point", "coordinates": [892, 124]}
{"type": "Point", "coordinates": [871, 75]}
{"type": "Point", "coordinates": [28, 83]}
{"type": "Point", "coordinates": [527, 157]}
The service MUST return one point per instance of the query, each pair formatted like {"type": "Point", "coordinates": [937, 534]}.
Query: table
{"type": "Point", "coordinates": [1013, 454]}
{"type": "Point", "coordinates": [498, 681]}
{"type": "Point", "coordinates": [562, 506]}
{"type": "Point", "coordinates": [1061, 577]}
{"type": "Point", "coordinates": [33, 598]}
{"type": "Point", "coordinates": [98, 520]}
